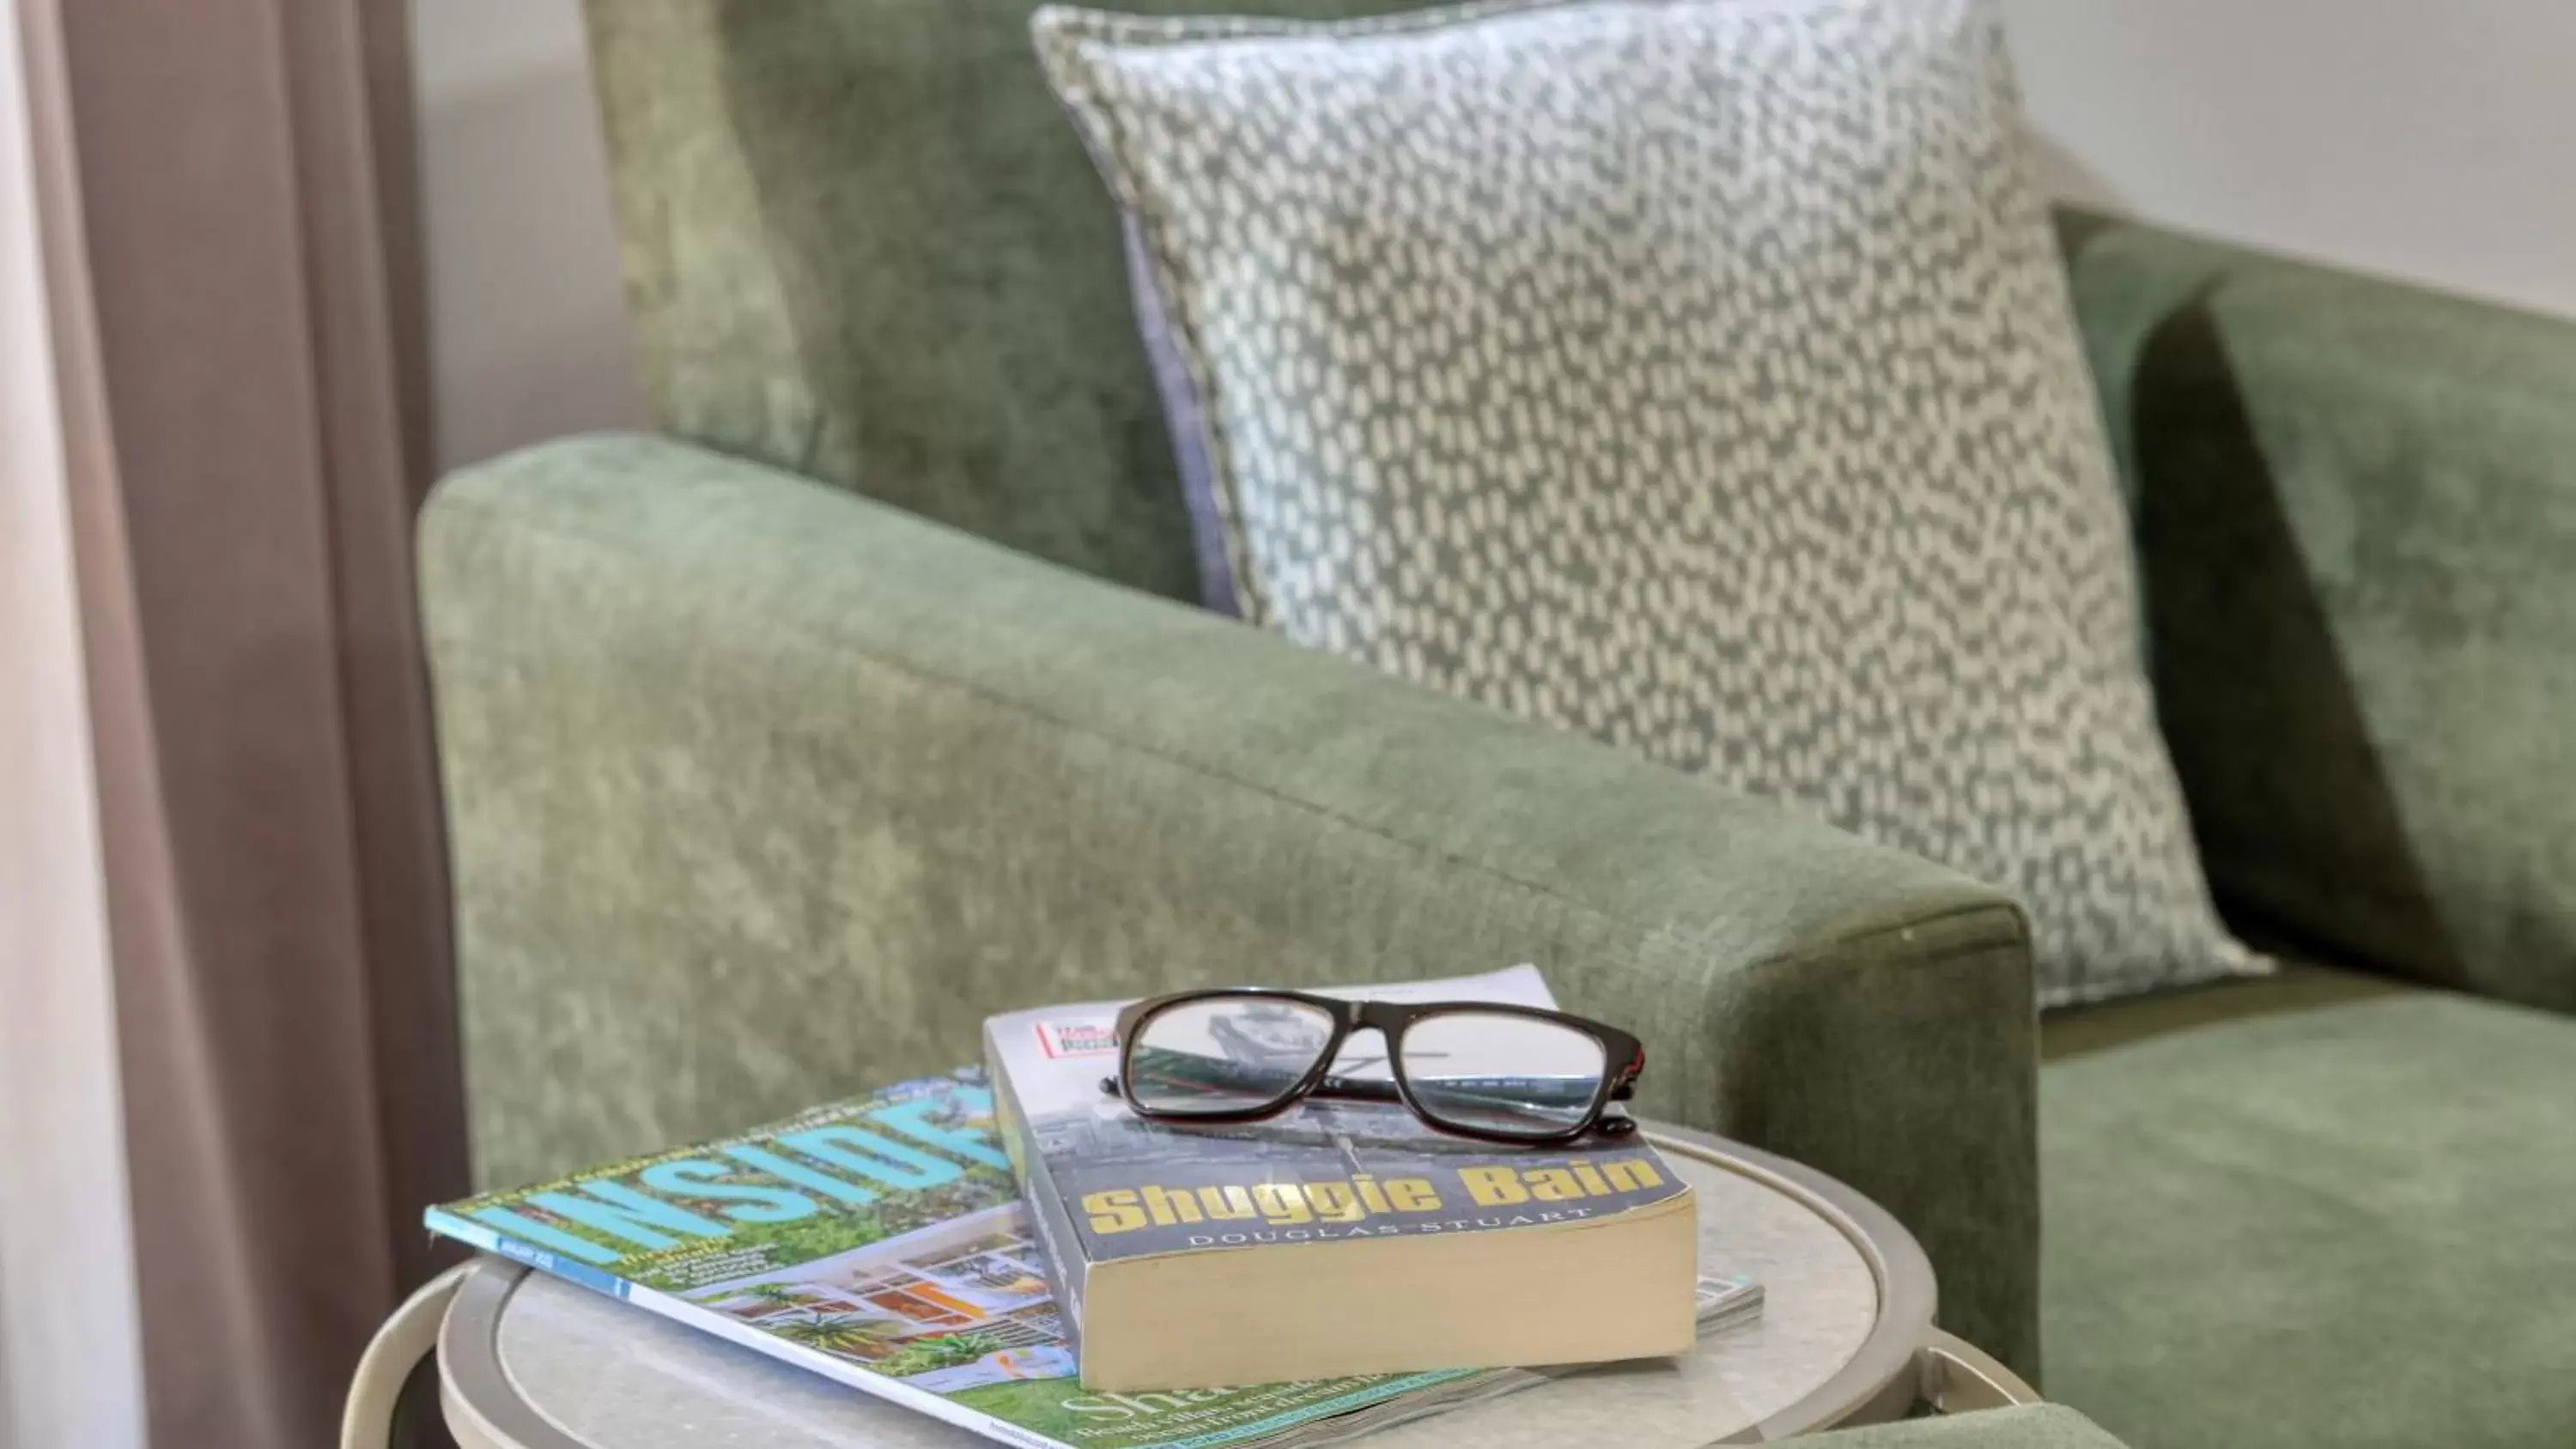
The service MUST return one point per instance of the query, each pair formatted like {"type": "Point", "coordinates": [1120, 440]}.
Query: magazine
{"type": "Point", "coordinates": [880, 1241]}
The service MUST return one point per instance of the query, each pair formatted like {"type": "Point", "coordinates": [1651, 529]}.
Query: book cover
{"type": "Point", "coordinates": [880, 1241]}
{"type": "Point", "coordinates": [1105, 1185]}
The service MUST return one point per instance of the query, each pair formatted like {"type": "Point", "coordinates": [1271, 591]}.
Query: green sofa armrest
{"type": "Point", "coordinates": [2355, 510]}
{"type": "Point", "coordinates": [2040, 1426]}
{"type": "Point", "coordinates": [762, 793]}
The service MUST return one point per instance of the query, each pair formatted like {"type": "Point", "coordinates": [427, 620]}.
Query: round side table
{"type": "Point", "coordinates": [1846, 1337]}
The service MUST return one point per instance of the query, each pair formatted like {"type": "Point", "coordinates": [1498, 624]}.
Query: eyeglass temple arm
{"type": "Point", "coordinates": [1354, 1089]}
{"type": "Point", "coordinates": [1371, 1089]}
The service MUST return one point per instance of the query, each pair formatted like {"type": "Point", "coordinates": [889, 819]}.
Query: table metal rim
{"type": "Point", "coordinates": [1879, 1380]}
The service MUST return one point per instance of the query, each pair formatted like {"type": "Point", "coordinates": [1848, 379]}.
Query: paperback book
{"type": "Point", "coordinates": [1158, 1233]}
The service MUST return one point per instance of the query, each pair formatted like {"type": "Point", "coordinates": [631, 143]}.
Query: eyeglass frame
{"type": "Point", "coordinates": [1390, 1019]}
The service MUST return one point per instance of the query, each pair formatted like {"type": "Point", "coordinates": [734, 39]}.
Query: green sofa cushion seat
{"type": "Point", "coordinates": [2322, 1210]}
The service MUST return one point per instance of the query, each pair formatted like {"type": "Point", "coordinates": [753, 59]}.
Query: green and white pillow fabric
{"type": "Point", "coordinates": [1696, 374]}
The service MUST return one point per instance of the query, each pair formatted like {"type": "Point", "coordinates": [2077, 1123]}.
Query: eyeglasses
{"type": "Point", "coordinates": [1513, 1074]}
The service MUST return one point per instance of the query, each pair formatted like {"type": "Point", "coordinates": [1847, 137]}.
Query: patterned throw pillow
{"type": "Point", "coordinates": [1696, 374]}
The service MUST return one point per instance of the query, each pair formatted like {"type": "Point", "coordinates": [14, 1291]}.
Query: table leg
{"type": "Point", "coordinates": [1961, 1378]}
{"type": "Point", "coordinates": [367, 1421]}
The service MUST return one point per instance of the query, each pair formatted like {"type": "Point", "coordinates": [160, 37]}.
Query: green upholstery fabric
{"type": "Point", "coordinates": [762, 793]}
{"type": "Point", "coordinates": [862, 244]}
{"type": "Point", "coordinates": [2042, 1426]}
{"type": "Point", "coordinates": [2356, 507]}
{"type": "Point", "coordinates": [2326, 1210]}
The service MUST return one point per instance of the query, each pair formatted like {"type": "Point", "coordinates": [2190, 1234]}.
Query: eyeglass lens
{"type": "Point", "coordinates": [1225, 1054]}
{"type": "Point", "coordinates": [1502, 1074]}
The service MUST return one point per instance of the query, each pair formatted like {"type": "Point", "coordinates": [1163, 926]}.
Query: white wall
{"type": "Point", "coordinates": [70, 1357]}
{"type": "Point", "coordinates": [2420, 140]}
{"type": "Point", "coordinates": [2432, 142]}
{"type": "Point", "coordinates": [527, 319]}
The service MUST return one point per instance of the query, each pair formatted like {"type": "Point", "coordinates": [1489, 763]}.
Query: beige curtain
{"type": "Point", "coordinates": [227, 201]}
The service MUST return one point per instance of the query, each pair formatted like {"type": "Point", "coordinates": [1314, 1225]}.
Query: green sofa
{"type": "Point", "coordinates": [781, 749]}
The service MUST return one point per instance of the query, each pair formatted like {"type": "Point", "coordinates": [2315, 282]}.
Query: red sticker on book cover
{"type": "Point", "coordinates": [1077, 1038]}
